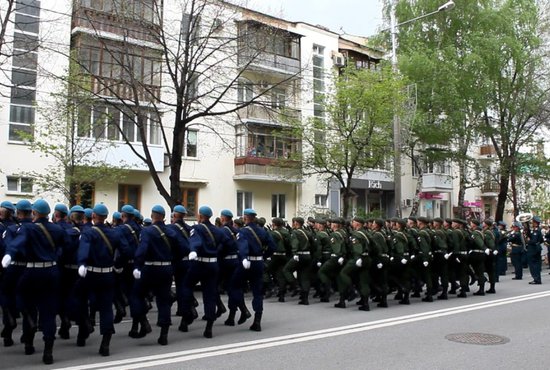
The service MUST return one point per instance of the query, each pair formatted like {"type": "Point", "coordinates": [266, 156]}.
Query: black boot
{"type": "Point", "coordinates": [304, 299]}
{"type": "Point", "coordinates": [231, 318]}
{"type": "Point", "coordinates": [134, 330]}
{"type": "Point", "coordinates": [341, 302]}
{"type": "Point", "coordinates": [145, 327]}
{"type": "Point", "coordinates": [82, 335]}
{"type": "Point", "coordinates": [481, 290]}
{"type": "Point", "coordinates": [47, 357]}
{"type": "Point", "coordinates": [245, 314]}
{"type": "Point", "coordinates": [183, 326]}
{"type": "Point", "coordinates": [491, 289]}
{"type": "Point", "coordinates": [220, 307]}
{"type": "Point", "coordinates": [405, 299]}
{"type": "Point", "coordinates": [29, 343]}
{"type": "Point", "coordinates": [364, 304]}
{"type": "Point", "coordinates": [256, 325]}
{"type": "Point", "coordinates": [64, 328]}
{"type": "Point", "coordinates": [163, 338]}
{"type": "Point", "coordinates": [7, 335]}
{"type": "Point", "coordinates": [105, 342]}
{"type": "Point", "coordinates": [383, 301]}
{"type": "Point", "coordinates": [428, 298]}
{"type": "Point", "coordinates": [208, 329]}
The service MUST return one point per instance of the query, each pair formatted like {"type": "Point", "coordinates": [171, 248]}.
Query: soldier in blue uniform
{"type": "Point", "coordinates": [255, 244]}
{"type": "Point", "coordinates": [534, 249]}
{"type": "Point", "coordinates": [517, 242]}
{"type": "Point", "coordinates": [501, 259]}
{"type": "Point", "coordinates": [40, 243]}
{"type": "Point", "coordinates": [13, 273]}
{"type": "Point", "coordinates": [205, 241]}
{"type": "Point", "coordinates": [153, 271]}
{"type": "Point", "coordinates": [96, 254]}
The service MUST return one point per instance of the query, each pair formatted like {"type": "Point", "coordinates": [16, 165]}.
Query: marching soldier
{"type": "Point", "coordinates": [460, 255]}
{"type": "Point", "coordinates": [501, 259]}
{"type": "Point", "coordinates": [476, 255]}
{"type": "Point", "coordinates": [275, 266]}
{"type": "Point", "coordinates": [517, 243]}
{"type": "Point", "coordinates": [490, 249]}
{"type": "Point", "coordinates": [424, 257]}
{"type": "Point", "coordinates": [400, 265]}
{"type": "Point", "coordinates": [380, 259]}
{"type": "Point", "coordinates": [301, 260]}
{"type": "Point", "coordinates": [40, 243]}
{"type": "Point", "coordinates": [331, 268]}
{"type": "Point", "coordinates": [534, 249]}
{"type": "Point", "coordinates": [440, 268]}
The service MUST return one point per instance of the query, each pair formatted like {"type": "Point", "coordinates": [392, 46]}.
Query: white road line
{"type": "Point", "coordinates": [188, 355]}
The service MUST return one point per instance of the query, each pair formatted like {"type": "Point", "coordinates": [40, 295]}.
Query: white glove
{"type": "Point", "coordinates": [391, 259]}
{"type": "Point", "coordinates": [246, 264]}
{"type": "Point", "coordinates": [457, 260]}
{"type": "Point", "coordinates": [319, 264]}
{"type": "Point", "coordinates": [425, 263]}
{"type": "Point", "coordinates": [413, 257]}
{"type": "Point", "coordinates": [268, 259]}
{"type": "Point", "coordinates": [487, 251]}
{"type": "Point", "coordinates": [192, 256]}
{"type": "Point", "coordinates": [447, 255]}
{"type": "Point", "coordinates": [6, 261]}
{"type": "Point", "coordinates": [82, 271]}
{"type": "Point", "coordinates": [296, 258]}
{"type": "Point", "coordinates": [380, 265]}
{"type": "Point", "coordinates": [341, 260]}
{"type": "Point", "coordinates": [118, 271]}
{"type": "Point", "coordinates": [495, 252]}
{"type": "Point", "coordinates": [404, 261]}
{"type": "Point", "coordinates": [359, 262]}
{"type": "Point", "coordinates": [137, 274]}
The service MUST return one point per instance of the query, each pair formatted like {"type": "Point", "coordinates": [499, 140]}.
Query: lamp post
{"type": "Point", "coordinates": [396, 121]}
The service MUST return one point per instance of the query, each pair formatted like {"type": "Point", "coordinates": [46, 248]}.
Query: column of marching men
{"type": "Point", "coordinates": [80, 265]}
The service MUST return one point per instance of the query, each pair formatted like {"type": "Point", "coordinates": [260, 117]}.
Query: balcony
{"type": "Point", "coordinates": [251, 59]}
{"type": "Point", "coordinates": [487, 151]}
{"type": "Point", "coordinates": [267, 169]}
{"type": "Point", "coordinates": [490, 189]}
{"type": "Point", "coordinates": [264, 114]}
{"type": "Point", "coordinates": [436, 183]}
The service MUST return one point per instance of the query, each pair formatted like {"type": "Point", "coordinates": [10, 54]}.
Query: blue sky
{"type": "Point", "coordinates": [356, 17]}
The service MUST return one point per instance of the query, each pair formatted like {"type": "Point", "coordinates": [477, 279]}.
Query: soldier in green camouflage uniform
{"type": "Point", "coordinates": [424, 258]}
{"type": "Point", "coordinates": [439, 266]}
{"type": "Point", "coordinates": [279, 259]}
{"type": "Point", "coordinates": [331, 268]}
{"type": "Point", "coordinates": [322, 253]}
{"type": "Point", "coordinates": [490, 261]}
{"type": "Point", "coordinates": [460, 255]}
{"type": "Point", "coordinates": [301, 261]}
{"type": "Point", "coordinates": [476, 255]}
{"type": "Point", "coordinates": [400, 261]}
{"type": "Point", "coordinates": [380, 261]}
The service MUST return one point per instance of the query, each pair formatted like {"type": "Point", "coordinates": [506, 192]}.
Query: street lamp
{"type": "Point", "coordinates": [396, 122]}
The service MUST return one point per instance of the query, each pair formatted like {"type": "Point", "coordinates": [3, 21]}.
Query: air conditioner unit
{"type": "Point", "coordinates": [407, 202]}
{"type": "Point", "coordinates": [338, 59]}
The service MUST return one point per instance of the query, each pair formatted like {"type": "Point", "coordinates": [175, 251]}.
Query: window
{"type": "Point", "coordinates": [278, 205]}
{"type": "Point", "coordinates": [22, 96]}
{"type": "Point", "coordinates": [128, 126]}
{"type": "Point", "coordinates": [85, 194]}
{"type": "Point", "coordinates": [25, 42]}
{"type": "Point", "coordinates": [24, 59]}
{"type": "Point", "coordinates": [191, 143]}
{"type": "Point", "coordinates": [98, 122]}
{"type": "Point", "coordinates": [154, 135]}
{"type": "Point", "coordinates": [245, 92]}
{"type": "Point", "coordinates": [190, 27]}
{"type": "Point", "coordinates": [22, 114]}
{"type": "Point", "coordinates": [26, 23]}
{"type": "Point", "coordinates": [244, 200]}
{"type": "Point", "coordinates": [20, 184]}
{"type": "Point", "coordinates": [321, 200]}
{"type": "Point", "coordinates": [29, 7]}
{"type": "Point", "coordinates": [278, 99]}
{"type": "Point", "coordinates": [190, 199]}
{"type": "Point", "coordinates": [129, 194]}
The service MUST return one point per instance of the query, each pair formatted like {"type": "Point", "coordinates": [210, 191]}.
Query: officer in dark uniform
{"type": "Point", "coordinates": [476, 255]}
{"type": "Point", "coordinates": [40, 243]}
{"type": "Point", "coordinates": [424, 259]}
{"type": "Point", "coordinates": [301, 261]}
{"type": "Point", "coordinates": [255, 244]}
{"type": "Point", "coordinates": [534, 249]}
{"type": "Point", "coordinates": [400, 265]}
{"type": "Point", "coordinates": [87, 218]}
{"type": "Point", "coordinates": [518, 246]}
{"type": "Point", "coordinates": [440, 268]}
{"type": "Point", "coordinates": [502, 262]}
{"type": "Point", "coordinates": [279, 259]}
{"type": "Point", "coordinates": [154, 272]}
{"type": "Point", "coordinates": [96, 254]}
{"type": "Point", "coordinates": [490, 258]}
{"type": "Point", "coordinates": [460, 255]}
{"type": "Point", "coordinates": [13, 273]}
{"type": "Point", "coordinates": [181, 262]}
{"type": "Point", "coordinates": [205, 242]}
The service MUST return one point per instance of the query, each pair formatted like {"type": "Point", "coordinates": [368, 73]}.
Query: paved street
{"type": "Point", "coordinates": [320, 336]}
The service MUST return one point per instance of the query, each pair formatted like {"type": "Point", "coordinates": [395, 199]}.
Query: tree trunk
{"type": "Point", "coordinates": [503, 191]}
{"type": "Point", "coordinates": [176, 160]}
{"type": "Point", "coordinates": [416, 200]}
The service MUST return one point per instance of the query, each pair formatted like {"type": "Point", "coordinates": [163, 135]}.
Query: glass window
{"type": "Point", "coordinates": [24, 59]}
{"type": "Point", "coordinates": [191, 144]}
{"type": "Point", "coordinates": [244, 200]}
{"type": "Point", "coordinates": [21, 114]}
{"type": "Point", "coordinates": [154, 137]}
{"type": "Point", "coordinates": [99, 122]}
{"type": "Point", "coordinates": [23, 41]}
{"type": "Point", "coordinates": [20, 184]}
{"type": "Point", "coordinates": [128, 127]}
{"type": "Point", "coordinates": [26, 23]}
{"type": "Point", "coordinates": [84, 119]}
{"type": "Point", "coordinates": [321, 200]}
{"type": "Point", "coordinates": [129, 194]}
{"type": "Point", "coordinates": [22, 96]}
{"type": "Point", "coordinates": [113, 123]}
{"type": "Point", "coordinates": [85, 194]}
{"type": "Point", "coordinates": [278, 205]}
{"type": "Point", "coordinates": [29, 7]}
{"type": "Point", "coordinates": [20, 132]}
{"type": "Point", "coordinates": [190, 199]}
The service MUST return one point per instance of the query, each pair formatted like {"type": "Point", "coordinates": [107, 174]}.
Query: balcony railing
{"type": "Point", "coordinates": [487, 150]}
{"type": "Point", "coordinates": [250, 58]}
{"type": "Point", "coordinates": [267, 169]}
{"type": "Point", "coordinates": [436, 182]}
{"type": "Point", "coordinates": [490, 187]}
{"type": "Point", "coordinates": [267, 114]}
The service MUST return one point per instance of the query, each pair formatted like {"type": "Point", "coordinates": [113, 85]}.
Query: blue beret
{"type": "Point", "coordinates": [41, 206]}
{"type": "Point", "coordinates": [205, 211]}
{"type": "Point", "coordinates": [180, 209]}
{"type": "Point", "coordinates": [137, 214]}
{"type": "Point", "coordinates": [24, 205]}
{"type": "Point", "coordinates": [537, 219]}
{"type": "Point", "coordinates": [117, 215]}
{"type": "Point", "coordinates": [88, 212]}
{"type": "Point", "coordinates": [77, 209]}
{"type": "Point", "coordinates": [127, 209]}
{"type": "Point", "coordinates": [158, 209]}
{"type": "Point", "coordinates": [147, 221]}
{"type": "Point", "coordinates": [101, 210]}
{"type": "Point", "coordinates": [61, 208]}
{"type": "Point", "coordinates": [227, 213]}
{"type": "Point", "coordinates": [7, 205]}
{"type": "Point", "coordinates": [249, 212]}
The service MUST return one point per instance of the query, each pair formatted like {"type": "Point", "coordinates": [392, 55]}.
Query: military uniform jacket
{"type": "Point", "coordinates": [535, 240]}
{"type": "Point", "coordinates": [9, 234]}
{"type": "Point", "coordinates": [400, 245]}
{"type": "Point", "coordinates": [379, 250]}
{"type": "Point", "coordinates": [94, 251]}
{"type": "Point", "coordinates": [231, 248]}
{"type": "Point", "coordinates": [489, 239]}
{"type": "Point", "coordinates": [338, 243]}
{"type": "Point", "coordinates": [253, 240]}
{"type": "Point", "coordinates": [517, 242]}
{"type": "Point", "coordinates": [32, 243]}
{"type": "Point", "coordinates": [359, 244]}
{"type": "Point", "coordinates": [182, 240]}
{"type": "Point", "coordinates": [299, 241]}
{"type": "Point", "coordinates": [157, 243]}
{"type": "Point", "coordinates": [70, 251]}
{"type": "Point", "coordinates": [131, 232]}
{"type": "Point", "coordinates": [453, 240]}
{"type": "Point", "coordinates": [477, 240]}
{"type": "Point", "coordinates": [424, 243]}
{"type": "Point", "coordinates": [208, 240]}
{"type": "Point", "coordinates": [281, 237]}
{"type": "Point", "coordinates": [439, 241]}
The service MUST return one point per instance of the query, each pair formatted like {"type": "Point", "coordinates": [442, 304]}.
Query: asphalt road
{"type": "Point", "coordinates": [320, 336]}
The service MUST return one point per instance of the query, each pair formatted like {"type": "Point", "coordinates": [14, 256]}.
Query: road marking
{"type": "Point", "coordinates": [194, 354]}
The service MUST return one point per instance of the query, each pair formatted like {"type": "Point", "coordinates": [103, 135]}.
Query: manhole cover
{"type": "Point", "coordinates": [477, 338]}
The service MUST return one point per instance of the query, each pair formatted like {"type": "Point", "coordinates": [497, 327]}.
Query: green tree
{"type": "Point", "coordinates": [357, 133]}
